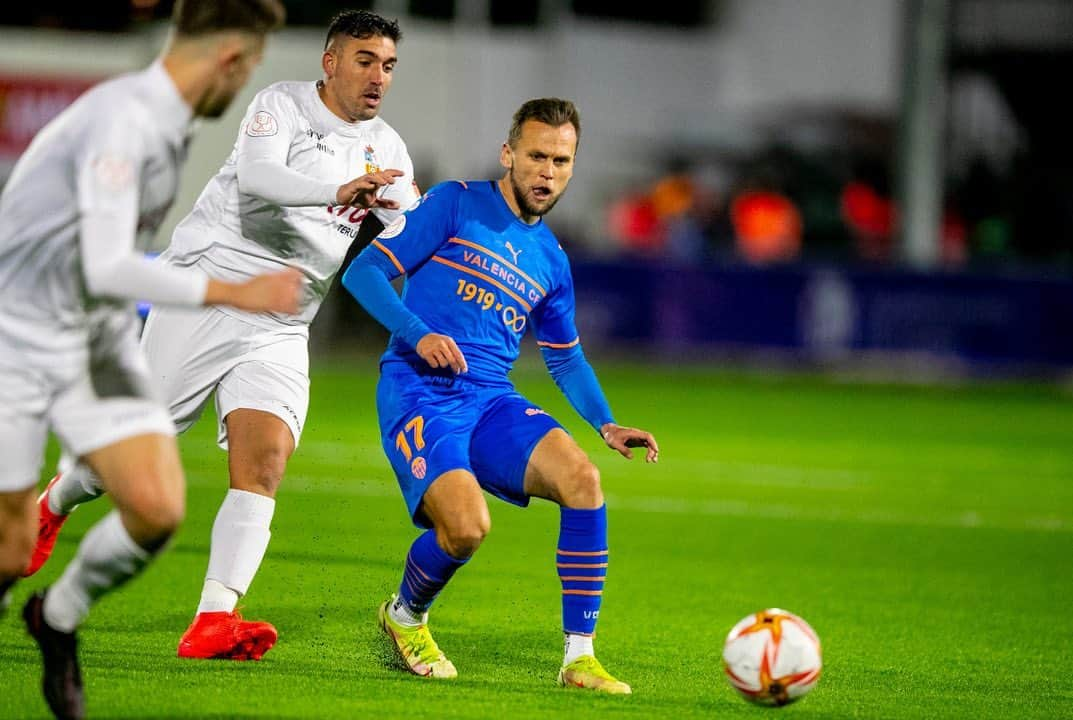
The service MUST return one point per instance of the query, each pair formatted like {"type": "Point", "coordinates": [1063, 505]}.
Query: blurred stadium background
{"type": "Point", "coordinates": [839, 182]}
{"type": "Point", "coordinates": [775, 201]}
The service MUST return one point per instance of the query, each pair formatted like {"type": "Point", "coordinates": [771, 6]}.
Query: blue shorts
{"type": "Point", "coordinates": [432, 423]}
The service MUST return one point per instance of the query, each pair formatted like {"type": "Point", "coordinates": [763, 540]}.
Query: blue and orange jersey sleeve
{"type": "Point", "coordinates": [553, 318]}
{"type": "Point", "coordinates": [557, 336]}
{"type": "Point", "coordinates": [418, 233]}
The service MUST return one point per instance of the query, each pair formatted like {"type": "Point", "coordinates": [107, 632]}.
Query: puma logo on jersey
{"type": "Point", "coordinates": [514, 253]}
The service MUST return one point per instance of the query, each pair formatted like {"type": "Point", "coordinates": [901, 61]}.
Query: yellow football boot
{"type": "Point", "coordinates": [416, 647]}
{"type": "Point", "coordinates": [587, 672]}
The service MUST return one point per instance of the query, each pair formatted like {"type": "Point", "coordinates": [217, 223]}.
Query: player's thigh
{"type": "Point", "coordinates": [273, 378]}
{"type": "Point", "coordinates": [454, 504]}
{"type": "Point", "coordinates": [560, 471]}
{"type": "Point", "coordinates": [24, 398]}
{"type": "Point", "coordinates": [425, 431]}
{"type": "Point", "coordinates": [503, 443]}
{"type": "Point", "coordinates": [188, 351]}
{"type": "Point", "coordinates": [143, 475]}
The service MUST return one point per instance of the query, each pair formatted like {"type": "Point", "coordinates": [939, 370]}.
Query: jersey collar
{"type": "Point", "coordinates": [173, 114]}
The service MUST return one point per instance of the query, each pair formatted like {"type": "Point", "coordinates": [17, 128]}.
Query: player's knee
{"type": "Point", "coordinates": [265, 472]}
{"type": "Point", "coordinates": [161, 518]}
{"type": "Point", "coordinates": [463, 538]}
{"type": "Point", "coordinates": [582, 487]}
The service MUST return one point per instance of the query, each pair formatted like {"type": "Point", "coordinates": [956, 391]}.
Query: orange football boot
{"type": "Point", "coordinates": [48, 529]}
{"type": "Point", "coordinates": [226, 636]}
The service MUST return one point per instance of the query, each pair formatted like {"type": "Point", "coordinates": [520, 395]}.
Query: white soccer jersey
{"type": "Point", "coordinates": [88, 193]}
{"type": "Point", "coordinates": [270, 205]}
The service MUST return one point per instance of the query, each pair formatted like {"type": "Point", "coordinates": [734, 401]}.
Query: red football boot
{"type": "Point", "coordinates": [226, 636]}
{"type": "Point", "coordinates": [48, 529]}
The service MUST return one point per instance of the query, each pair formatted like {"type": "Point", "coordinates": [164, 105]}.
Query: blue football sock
{"type": "Point", "coordinates": [582, 564]}
{"type": "Point", "coordinates": [428, 568]}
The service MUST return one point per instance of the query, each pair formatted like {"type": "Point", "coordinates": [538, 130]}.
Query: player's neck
{"type": "Point", "coordinates": [506, 190]}
{"type": "Point", "coordinates": [189, 77]}
{"type": "Point", "coordinates": [334, 107]}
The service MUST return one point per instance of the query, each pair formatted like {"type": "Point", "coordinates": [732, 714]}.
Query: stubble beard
{"type": "Point", "coordinates": [522, 199]}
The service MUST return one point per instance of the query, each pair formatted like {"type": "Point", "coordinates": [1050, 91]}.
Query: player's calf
{"type": "Point", "coordinates": [16, 532]}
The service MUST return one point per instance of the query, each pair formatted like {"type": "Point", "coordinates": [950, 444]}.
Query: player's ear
{"type": "Point", "coordinates": [327, 63]}
{"type": "Point", "coordinates": [229, 57]}
{"type": "Point", "coordinates": [506, 156]}
{"type": "Point", "coordinates": [233, 49]}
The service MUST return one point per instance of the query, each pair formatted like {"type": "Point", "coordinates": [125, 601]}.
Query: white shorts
{"type": "Point", "coordinates": [91, 399]}
{"type": "Point", "coordinates": [195, 351]}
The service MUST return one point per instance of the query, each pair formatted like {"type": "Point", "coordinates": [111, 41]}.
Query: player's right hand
{"type": "Point", "coordinates": [274, 292]}
{"type": "Point", "coordinates": [362, 192]}
{"type": "Point", "coordinates": [441, 351]}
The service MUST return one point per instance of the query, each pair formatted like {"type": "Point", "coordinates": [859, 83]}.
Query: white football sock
{"type": "Point", "coordinates": [401, 613]}
{"type": "Point", "coordinates": [240, 537]}
{"type": "Point", "coordinates": [107, 557]}
{"type": "Point", "coordinates": [574, 646]}
{"type": "Point", "coordinates": [77, 484]}
{"type": "Point", "coordinates": [217, 597]}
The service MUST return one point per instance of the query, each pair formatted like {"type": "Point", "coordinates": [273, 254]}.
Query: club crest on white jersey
{"type": "Point", "coordinates": [262, 124]}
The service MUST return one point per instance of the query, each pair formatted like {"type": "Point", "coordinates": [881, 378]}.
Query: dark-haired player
{"type": "Point", "coordinates": [481, 268]}
{"type": "Point", "coordinates": [311, 160]}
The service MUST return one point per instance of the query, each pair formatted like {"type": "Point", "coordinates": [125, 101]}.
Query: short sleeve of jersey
{"type": "Point", "coordinates": [418, 233]}
{"type": "Point", "coordinates": [553, 319]}
{"type": "Point", "coordinates": [268, 127]}
{"type": "Point", "coordinates": [404, 190]}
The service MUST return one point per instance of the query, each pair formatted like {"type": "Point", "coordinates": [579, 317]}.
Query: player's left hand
{"type": "Point", "coordinates": [623, 438]}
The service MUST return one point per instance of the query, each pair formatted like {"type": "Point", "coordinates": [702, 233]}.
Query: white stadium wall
{"type": "Point", "coordinates": [642, 91]}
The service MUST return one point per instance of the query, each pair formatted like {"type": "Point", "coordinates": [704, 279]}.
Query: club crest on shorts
{"type": "Point", "coordinates": [418, 467]}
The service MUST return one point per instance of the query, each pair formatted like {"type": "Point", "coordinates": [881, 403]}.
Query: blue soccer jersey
{"type": "Point", "coordinates": [477, 273]}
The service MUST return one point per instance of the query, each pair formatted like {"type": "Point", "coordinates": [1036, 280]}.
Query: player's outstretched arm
{"type": "Point", "coordinates": [262, 150]}
{"type": "Point", "coordinates": [274, 292]}
{"type": "Point", "coordinates": [621, 438]}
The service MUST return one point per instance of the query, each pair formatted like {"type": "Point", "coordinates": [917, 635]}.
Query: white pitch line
{"type": "Point", "coordinates": [967, 519]}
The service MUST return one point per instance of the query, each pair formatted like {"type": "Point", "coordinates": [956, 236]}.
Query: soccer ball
{"type": "Point", "coordinates": [772, 657]}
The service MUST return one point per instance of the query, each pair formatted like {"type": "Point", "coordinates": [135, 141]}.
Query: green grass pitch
{"type": "Point", "coordinates": [925, 533]}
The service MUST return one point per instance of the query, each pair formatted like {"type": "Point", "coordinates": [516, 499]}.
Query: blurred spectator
{"type": "Point", "coordinates": [675, 200]}
{"type": "Point", "coordinates": [767, 226]}
{"type": "Point", "coordinates": [867, 209]}
{"type": "Point", "coordinates": [676, 220]}
{"type": "Point", "coordinates": [869, 216]}
{"type": "Point", "coordinates": [634, 225]}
